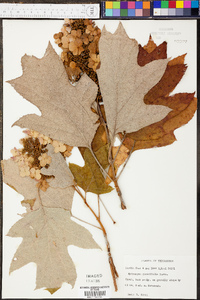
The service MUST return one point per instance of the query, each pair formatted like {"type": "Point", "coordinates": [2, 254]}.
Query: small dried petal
{"type": "Point", "coordinates": [15, 152]}
{"type": "Point", "coordinates": [72, 65]}
{"type": "Point", "coordinates": [32, 172]}
{"type": "Point", "coordinates": [44, 159]}
{"type": "Point", "coordinates": [72, 46]}
{"type": "Point", "coordinates": [92, 47]}
{"type": "Point", "coordinates": [64, 31]}
{"type": "Point", "coordinates": [78, 33]}
{"type": "Point", "coordinates": [37, 175]}
{"type": "Point", "coordinates": [68, 29]}
{"type": "Point", "coordinates": [55, 143]}
{"type": "Point", "coordinates": [58, 35]}
{"type": "Point", "coordinates": [43, 139]}
{"type": "Point", "coordinates": [34, 133]}
{"type": "Point", "coordinates": [62, 148]}
{"type": "Point", "coordinates": [80, 50]}
{"type": "Point", "coordinates": [91, 38]}
{"type": "Point", "coordinates": [65, 42]}
{"type": "Point", "coordinates": [89, 29]}
{"type": "Point", "coordinates": [64, 56]}
{"type": "Point", "coordinates": [67, 21]}
{"type": "Point", "coordinates": [85, 40]}
{"type": "Point", "coordinates": [67, 153]}
{"type": "Point", "coordinates": [30, 159]}
{"type": "Point", "coordinates": [58, 41]}
{"type": "Point", "coordinates": [74, 33]}
{"type": "Point", "coordinates": [78, 42]}
{"type": "Point", "coordinates": [59, 147]}
{"type": "Point", "coordinates": [87, 22]}
{"type": "Point", "coordinates": [24, 171]}
{"type": "Point", "coordinates": [91, 63]}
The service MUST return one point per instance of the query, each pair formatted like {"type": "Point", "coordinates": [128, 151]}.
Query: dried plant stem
{"type": "Point", "coordinates": [126, 161]}
{"type": "Point", "coordinates": [100, 166]}
{"type": "Point", "coordinates": [85, 222]}
{"type": "Point", "coordinates": [121, 143]}
{"type": "Point", "coordinates": [98, 199]}
{"type": "Point", "coordinates": [123, 206]}
{"type": "Point", "coordinates": [110, 259]}
{"type": "Point", "coordinates": [107, 211]}
{"type": "Point", "coordinates": [111, 161]}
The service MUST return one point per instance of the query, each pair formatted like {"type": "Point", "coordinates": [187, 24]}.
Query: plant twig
{"type": "Point", "coordinates": [110, 259]}
{"type": "Point", "coordinates": [85, 221]}
{"type": "Point", "coordinates": [110, 159]}
{"type": "Point", "coordinates": [107, 211]}
{"type": "Point", "coordinates": [126, 160]}
{"type": "Point", "coordinates": [100, 166]}
{"type": "Point", "coordinates": [98, 198]}
{"type": "Point", "coordinates": [123, 206]}
{"type": "Point", "coordinates": [121, 143]}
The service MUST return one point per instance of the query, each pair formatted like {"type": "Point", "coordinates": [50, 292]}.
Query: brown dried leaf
{"type": "Point", "coordinates": [183, 105]}
{"type": "Point", "coordinates": [42, 185]}
{"type": "Point", "coordinates": [124, 84]}
{"type": "Point", "coordinates": [151, 46]}
{"type": "Point", "coordinates": [121, 156]}
{"type": "Point", "coordinates": [179, 60]}
{"type": "Point", "coordinates": [145, 57]}
{"type": "Point", "coordinates": [66, 114]}
{"type": "Point", "coordinates": [90, 177]}
{"type": "Point", "coordinates": [100, 138]}
{"type": "Point", "coordinates": [161, 133]}
{"type": "Point", "coordinates": [166, 85]}
{"type": "Point", "coordinates": [30, 202]}
{"type": "Point", "coordinates": [68, 150]}
{"type": "Point", "coordinates": [52, 291]}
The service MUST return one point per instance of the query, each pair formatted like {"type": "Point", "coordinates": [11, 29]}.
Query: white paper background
{"type": "Point", "coordinates": [158, 185]}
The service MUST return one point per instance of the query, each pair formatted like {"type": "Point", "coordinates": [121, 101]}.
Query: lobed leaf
{"type": "Point", "coordinates": [47, 233]}
{"type": "Point", "coordinates": [124, 83]}
{"type": "Point", "coordinates": [182, 105]}
{"type": "Point", "coordinates": [66, 114]}
{"type": "Point", "coordinates": [90, 177]}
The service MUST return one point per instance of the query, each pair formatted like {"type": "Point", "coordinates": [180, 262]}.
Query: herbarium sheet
{"type": "Point", "coordinates": [99, 194]}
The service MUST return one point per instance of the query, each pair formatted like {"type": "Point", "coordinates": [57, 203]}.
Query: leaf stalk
{"type": "Point", "coordinates": [110, 259]}
{"type": "Point", "coordinates": [111, 161]}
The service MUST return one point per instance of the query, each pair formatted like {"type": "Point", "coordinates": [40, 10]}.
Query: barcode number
{"type": "Point", "coordinates": [94, 293]}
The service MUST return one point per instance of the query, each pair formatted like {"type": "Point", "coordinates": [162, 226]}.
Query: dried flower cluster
{"type": "Point", "coordinates": [33, 157]}
{"type": "Point", "coordinates": [79, 41]}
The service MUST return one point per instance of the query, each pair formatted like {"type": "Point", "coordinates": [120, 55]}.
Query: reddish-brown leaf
{"type": "Point", "coordinates": [183, 105]}
{"type": "Point", "coordinates": [150, 46]}
{"type": "Point", "coordinates": [179, 60]}
{"type": "Point", "coordinates": [161, 133]}
{"type": "Point", "coordinates": [148, 53]}
{"type": "Point", "coordinates": [144, 57]}
{"type": "Point", "coordinates": [166, 85]}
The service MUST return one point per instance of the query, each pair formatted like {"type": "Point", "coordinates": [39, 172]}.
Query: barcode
{"type": "Point", "coordinates": [94, 293]}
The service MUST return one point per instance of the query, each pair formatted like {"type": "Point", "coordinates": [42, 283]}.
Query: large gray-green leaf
{"type": "Point", "coordinates": [66, 114]}
{"type": "Point", "coordinates": [124, 83]}
{"type": "Point", "coordinates": [46, 235]}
